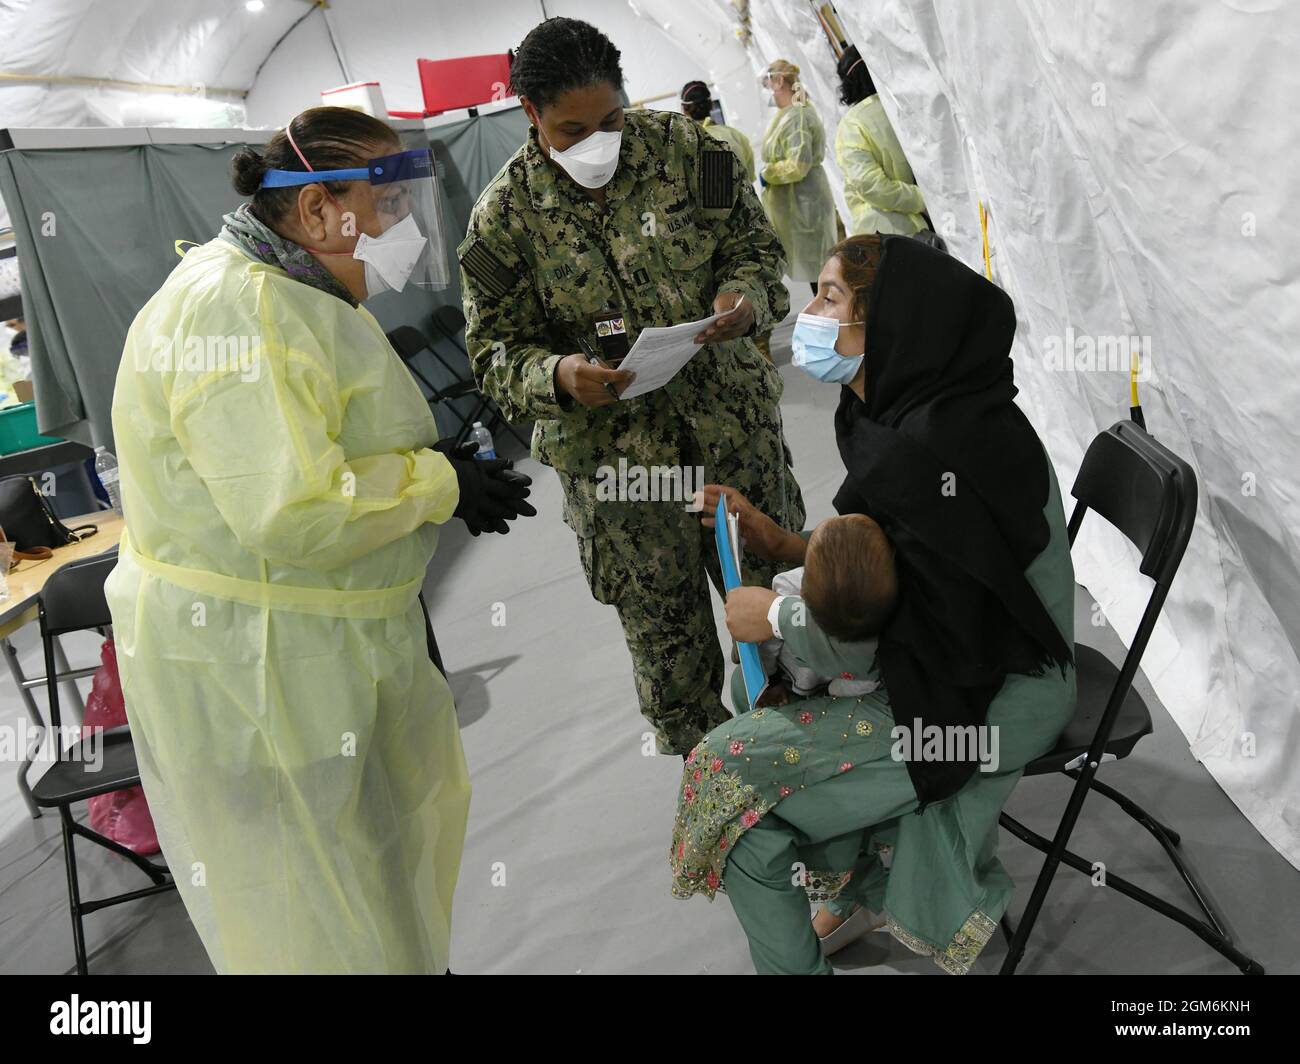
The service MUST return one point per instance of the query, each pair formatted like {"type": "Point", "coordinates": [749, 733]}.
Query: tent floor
{"type": "Point", "coordinates": [566, 801]}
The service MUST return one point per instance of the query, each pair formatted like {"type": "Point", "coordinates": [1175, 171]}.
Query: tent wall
{"type": "Point", "coordinates": [96, 228]}
{"type": "Point", "coordinates": [1138, 163]}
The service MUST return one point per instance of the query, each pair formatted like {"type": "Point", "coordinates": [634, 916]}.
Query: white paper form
{"type": "Point", "coordinates": [659, 353]}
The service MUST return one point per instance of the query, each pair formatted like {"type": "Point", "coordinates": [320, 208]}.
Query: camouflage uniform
{"type": "Point", "coordinates": [540, 261]}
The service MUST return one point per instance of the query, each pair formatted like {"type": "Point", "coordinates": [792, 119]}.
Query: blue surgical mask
{"type": "Point", "coordinates": [814, 349]}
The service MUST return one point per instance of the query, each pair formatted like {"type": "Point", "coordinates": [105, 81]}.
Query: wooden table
{"type": "Point", "coordinates": [22, 607]}
{"type": "Point", "coordinates": [27, 580]}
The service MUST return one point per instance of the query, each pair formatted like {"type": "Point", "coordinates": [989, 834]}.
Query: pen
{"type": "Point", "coordinates": [590, 355]}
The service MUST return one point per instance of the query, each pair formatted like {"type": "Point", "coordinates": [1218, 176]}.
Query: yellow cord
{"type": "Point", "coordinates": [984, 235]}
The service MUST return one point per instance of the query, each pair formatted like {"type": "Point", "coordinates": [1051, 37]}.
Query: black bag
{"type": "Point", "coordinates": [28, 521]}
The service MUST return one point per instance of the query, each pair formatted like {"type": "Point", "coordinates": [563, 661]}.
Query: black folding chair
{"type": "Point", "coordinates": [73, 601]}
{"type": "Point", "coordinates": [449, 322]}
{"type": "Point", "coordinates": [1149, 494]}
{"type": "Point", "coordinates": [408, 342]}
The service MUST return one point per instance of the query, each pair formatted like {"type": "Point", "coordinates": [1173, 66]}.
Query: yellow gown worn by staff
{"type": "Point", "coordinates": [299, 751]}
{"type": "Point", "coordinates": [797, 195]}
{"type": "Point", "coordinates": [878, 183]}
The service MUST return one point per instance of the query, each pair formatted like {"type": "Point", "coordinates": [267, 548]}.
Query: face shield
{"type": "Point", "coordinates": [410, 247]}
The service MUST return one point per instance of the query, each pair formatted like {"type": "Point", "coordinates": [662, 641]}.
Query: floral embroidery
{"type": "Point", "coordinates": [707, 828]}
{"type": "Point", "coordinates": [745, 768]}
{"type": "Point", "coordinates": [825, 885]}
{"type": "Point", "coordinates": [690, 758]}
{"type": "Point", "coordinates": [958, 955]}
{"type": "Point", "coordinates": [847, 676]}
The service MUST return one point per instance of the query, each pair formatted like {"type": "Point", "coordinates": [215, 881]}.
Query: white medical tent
{"type": "Point", "coordinates": [1127, 172]}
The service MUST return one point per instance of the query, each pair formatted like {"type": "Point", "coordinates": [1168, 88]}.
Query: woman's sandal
{"type": "Point", "coordinates": [861, 921]}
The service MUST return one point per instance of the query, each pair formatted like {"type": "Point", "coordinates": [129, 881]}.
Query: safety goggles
{"type": "Point", "coordinates": [401, 186]}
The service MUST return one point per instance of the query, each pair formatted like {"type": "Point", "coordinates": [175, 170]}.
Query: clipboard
{"type": "Point", "coordinates": [726, 534]}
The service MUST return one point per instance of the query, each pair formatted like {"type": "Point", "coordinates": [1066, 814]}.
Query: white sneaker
{"type": "Point", "coordinates": [860, 922]}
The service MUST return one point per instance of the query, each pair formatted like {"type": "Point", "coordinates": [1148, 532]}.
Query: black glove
{"type": "Point", "coordinates": [491, 492]}
{"type": "Point", "coordinates": [451, 449]}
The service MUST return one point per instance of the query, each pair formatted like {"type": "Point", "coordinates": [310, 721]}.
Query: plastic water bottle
{"type": "Point", "coordinates": [106, 470]}
{"type": "Point", "coordinates": [486, 448]}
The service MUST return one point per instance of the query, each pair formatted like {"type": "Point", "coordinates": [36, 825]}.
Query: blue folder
{"type": "Point", "coordinates": [751, 666]}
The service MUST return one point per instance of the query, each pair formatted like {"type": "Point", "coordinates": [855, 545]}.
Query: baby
{"type": "Point", "coordinates": [849, 586]}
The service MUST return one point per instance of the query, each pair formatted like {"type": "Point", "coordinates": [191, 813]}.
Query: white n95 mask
{"type": "Point", "coordinates": [592, 161]}
{"type": "Point", "coordinates": [391, 257]}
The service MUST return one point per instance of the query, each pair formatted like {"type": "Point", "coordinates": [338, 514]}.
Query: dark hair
{"type": "Point", "coordinates": [855, 79]}
{"type": "Point", "coordinates": [697, 102]}
{"type": "Point", "coordinates": [331, 138]}
{"type": "Point", "coordinates": [561, 54]}
{"type": "Point", "coordinates": [849, 582]}
{"type": "Point", "coordinates": [859, 260]}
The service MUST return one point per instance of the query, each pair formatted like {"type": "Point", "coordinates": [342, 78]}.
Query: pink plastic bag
{"type": "Point", "coordinates": [123, 816]}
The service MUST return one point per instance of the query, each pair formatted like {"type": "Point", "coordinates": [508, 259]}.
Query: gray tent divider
{"type": "Point", "coordinates": [96, 214]}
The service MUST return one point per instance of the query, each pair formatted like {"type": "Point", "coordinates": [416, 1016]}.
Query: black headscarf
{"type": "Point", "coordinates": [942, 458]}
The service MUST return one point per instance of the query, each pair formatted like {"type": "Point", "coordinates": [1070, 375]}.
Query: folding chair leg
{"type": "Point", "coordinates": [74, 891]}
{"type": "Point", "coordinates": [1133, 809]}
{"type": "Point", "coordinates": [1169, 840]}
{"type": "Point", "coordinates": [1207, 934]}
{"type": "Point", "coordinates": [1048, 872]}
{"type": "Point", "coordinates": [33, 711]}
{"type": "Point", "coordinates": [158, 875]}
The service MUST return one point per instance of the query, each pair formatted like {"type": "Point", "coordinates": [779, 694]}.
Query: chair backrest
{"type": "Point", "coordinates": [72, 600]}
{"type": "Point", "coordinates": [449, 319]}
{"type": "Point", "coordinates": [73, 597]}
{"type": "Point", "coordinates": [1149, 494]}
{"type": "Point", "coordinates": [1144, 490]}
{"type": "Point", "coordinates": [408, 342]}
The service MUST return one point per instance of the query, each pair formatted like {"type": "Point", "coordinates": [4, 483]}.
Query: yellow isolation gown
{"type": "Point", "coordinates": [299, 751]}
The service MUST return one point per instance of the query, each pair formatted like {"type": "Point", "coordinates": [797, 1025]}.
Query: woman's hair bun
{"type": "Point", "coordinates": [247, 169]}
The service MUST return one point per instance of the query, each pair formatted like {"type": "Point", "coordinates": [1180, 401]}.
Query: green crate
{"type": "Point", "coordinates": [18, 429]}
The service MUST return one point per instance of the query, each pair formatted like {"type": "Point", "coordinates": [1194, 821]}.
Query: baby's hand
{"type": "Point", "coordinates": [747, 613]}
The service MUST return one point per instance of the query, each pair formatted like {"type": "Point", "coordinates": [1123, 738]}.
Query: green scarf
{"type": "Point", "coordinates": [248, 233]}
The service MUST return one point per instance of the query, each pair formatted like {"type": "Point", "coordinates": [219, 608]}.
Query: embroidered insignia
{"type": "Point", "coordinates": [489, 271]}
{"type": "Point", "coordinates": [717, 178]}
